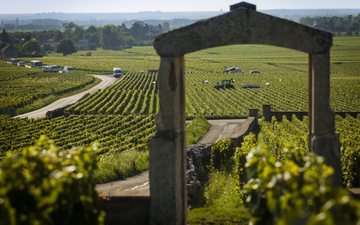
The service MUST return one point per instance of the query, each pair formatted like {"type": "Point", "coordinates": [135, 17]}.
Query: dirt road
{"type": "Point", "coordinates": [133, 186]}
{"type": "Point", "coordinates": [139, 185]}
{"type": "Point", "coordinates": [222, 129]}
{"type": "Point", "coordinates": [107, 81]}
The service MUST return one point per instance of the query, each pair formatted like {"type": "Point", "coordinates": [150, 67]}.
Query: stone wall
{"type": "Point", "coordinates": [268, 114]}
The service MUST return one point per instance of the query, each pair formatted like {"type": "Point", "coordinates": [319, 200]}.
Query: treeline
{"type": "Point", "coordinates": [348, 25]}
{"type": "Point", "coordinates": [75, 37]}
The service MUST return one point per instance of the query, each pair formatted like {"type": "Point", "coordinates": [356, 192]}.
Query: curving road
{"type": "Point", "coordinates": [106, 81]}
{"type": "Point", "coordinates": [139, 184]}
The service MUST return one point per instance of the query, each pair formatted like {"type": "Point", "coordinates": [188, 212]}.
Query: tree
{"type": "Point", "coordinates": [4, 36]}
{"type": "Point", "coordinates": [73, 32]}
{"type": "Point", "coordinates": [66, 47]}
{"type": "Point", "coordinates": [31, 47]}
{"type": "Point", "coordinates": [137, 30]}
{"type": "Point", "coordinates": [109, 38]}
{"type": "Point", "coordinates": [92, 36]}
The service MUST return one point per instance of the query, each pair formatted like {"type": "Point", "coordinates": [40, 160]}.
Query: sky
{"type": "Point", "coordinates": [40, 6]}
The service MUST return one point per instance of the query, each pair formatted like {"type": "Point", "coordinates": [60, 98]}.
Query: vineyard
{"type": "Point", "coordinates": [136, 93]}
{"type": "Point", "coordinates": [278, 135]}
{"type": "Point", "coordinates": [123, 139]}
{"type": "Point", "coordinates": [21, 87]}
{"type": "Point", "coordinates": [283, 80]}
{"type": "Point", "coordinates": [121, 117]}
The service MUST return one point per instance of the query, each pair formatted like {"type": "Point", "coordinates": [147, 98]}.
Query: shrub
{"type": "Point", "coordinates": [43, 185]}
{"type": "Point", "coordinates": [221, 154]}
{"type": "Point", "coordinates": [296, 191]}
{"type": "Point", "coordinates": [239, 158]}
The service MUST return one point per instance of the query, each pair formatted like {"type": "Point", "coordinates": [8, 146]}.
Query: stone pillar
{"type": "Point", "coordinates": [267, 112]}
{"type": "Point", "coordinates": [167, 148]}
{"type": "Point", "coordinates": [324, 140]}
{"type": "Point", "coordinates": [254, 113]}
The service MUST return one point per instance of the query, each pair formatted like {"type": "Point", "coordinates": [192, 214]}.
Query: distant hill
{"type": "Point", "coordinates": [297, 14]}
{"type": "Point", "coordinates": [175, 19]}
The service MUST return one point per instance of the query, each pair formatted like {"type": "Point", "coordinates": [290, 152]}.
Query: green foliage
{"type": "Point", "coordinates": [239, 158]}
{"type": "Point", "coordinates": [349, 129]}
{"type": "Point", "coordinates": [221, 191]}
{"type": "Point", "coordinates": [43, 185]}
{"type": "Point", "coordinates": [31, 47]}
{"type": "Point", "coordinates": [348, 24]}
{"type": "Point", "coordinates": [123, 139]}
{"type": "Point", "coordinates": [211, 216]}
{"type": "Point", "coordinates": [221, 155]}
{"type": "Point", "coordinates": [298, 190]}
{"type": "Point", "coordinates": [66, 47]}
{"type": "Point", "coordinates": [115, 166]}
{"type": "Point", "coordinates": [277, 135]}
{"type": "Point", "coordinates": [196, 129]}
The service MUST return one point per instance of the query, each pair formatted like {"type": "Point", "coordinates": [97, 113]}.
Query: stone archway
{"type": "Point", "coordinates": [242, 25]}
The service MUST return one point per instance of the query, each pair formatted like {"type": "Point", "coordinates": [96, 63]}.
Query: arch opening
{"type": "Point", "coordinates": [242, 25]}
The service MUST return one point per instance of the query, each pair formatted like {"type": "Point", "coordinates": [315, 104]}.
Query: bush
{"type": "Point", "coordinates": [43, 185]}
{"type": "Point", "coordinates": [66, 47]}
{"type": "Point", "coordinates": [221, 155]}
{"type": "Point", "coordinates": [239, 158]}
{"type": "Point", "coordinates": [296, 191]}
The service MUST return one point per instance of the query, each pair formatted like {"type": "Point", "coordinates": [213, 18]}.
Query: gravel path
{"type": "Point", "coordinates": [107, 80]}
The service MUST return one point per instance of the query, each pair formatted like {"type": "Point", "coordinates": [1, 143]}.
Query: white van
{"type": "Point", "coordinates": [117, 72]}
{"type": "Point", "coordinates": [36, 64]}
{"type": "Point", "coordinates": [68, 69]}
{"type": "Point", "coordinates": [51, 68]}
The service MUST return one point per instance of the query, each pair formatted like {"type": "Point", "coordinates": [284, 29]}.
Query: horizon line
{"type": "Point", "coordinates": [159, 11]}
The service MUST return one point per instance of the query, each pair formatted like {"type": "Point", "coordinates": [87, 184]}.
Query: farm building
{"type": "Point", "coordinates": [9, 51]}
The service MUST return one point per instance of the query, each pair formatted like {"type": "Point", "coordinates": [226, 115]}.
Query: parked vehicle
{"type": "Point", "coordinates": [13, 61]}
{"type": "Point", "coordinates": [68, 69]}
{"type": "Point", "coordinates": [250, 86]}
{"type": "Point", "coordinates": [117, 72]}
{"type": "Point", "coordinates": [255, 72]}
{"type": "Point", "coordinates": [51, 68]}
{"type": "Point", "coordinates": [36, 63]}
{"type": "Point", "coordinates": [21, 64]}
{"type": "Point", "coordinates": [233, 69]}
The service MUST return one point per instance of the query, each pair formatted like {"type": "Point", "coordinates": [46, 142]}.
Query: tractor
{"type": "Point", "coordinates": [224, 84]}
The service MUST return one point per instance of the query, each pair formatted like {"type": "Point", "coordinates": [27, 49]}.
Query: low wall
{"type": "Point", "coordinates": [129, 210]}
{"type": "Point", "coordinates": [268, 114]}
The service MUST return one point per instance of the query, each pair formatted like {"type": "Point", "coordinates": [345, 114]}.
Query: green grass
{"type": "Point", "coordinates": [196, 129]}
{"type": "Point", "coordinates": [222, 202]}
{"type": "Point", "coordinates": [214, 216]}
